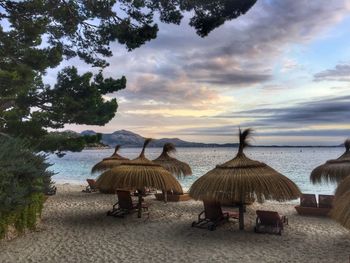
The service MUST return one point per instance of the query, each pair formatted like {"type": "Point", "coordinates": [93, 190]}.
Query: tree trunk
{"type": "Point", "coordinates": [241, 216]}
{"type": "Point", "coordinates": [139, 213]}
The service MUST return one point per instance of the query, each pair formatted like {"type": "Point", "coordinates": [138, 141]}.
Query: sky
{"type": "Point", "coordinates": [282, 69]}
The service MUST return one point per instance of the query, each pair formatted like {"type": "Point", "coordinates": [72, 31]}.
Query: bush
{"type": "Point", "coordinates": [23, 174]}
{"type": "Point", "coordinates": [23, 217]}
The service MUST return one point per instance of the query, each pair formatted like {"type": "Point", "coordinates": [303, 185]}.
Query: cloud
{"type": "Point", "coordinates": [309, 133]}
{"type": "Point", "coordinates": [231, 131]}
{"type": "Point", "coordinates": [241, 53]}
{"type": "Point", "coordinates": [187, 84]}
{"type": "Point", "coordinates": [230, 78]}
{"type": "Point", "coordinates": [175, 93]}
{"type": "Point", "coordinates": [339, 73]}
{"type": "Point", "coordinates": [329, 111]}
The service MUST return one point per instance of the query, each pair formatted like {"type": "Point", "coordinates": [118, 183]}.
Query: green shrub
{"type": "Point", "coordinates": [23, 174]}
{"type": "Point", "coordinates": [23, 217]}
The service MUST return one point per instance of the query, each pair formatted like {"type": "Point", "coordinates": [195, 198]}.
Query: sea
{"type": "Point", "coordinates": [295, 163]}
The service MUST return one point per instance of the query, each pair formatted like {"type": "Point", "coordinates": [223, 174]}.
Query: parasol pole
{"type": "Point", "coordinates": [139, 212]}
{"type": "Point", "coordinates": [241, 214]}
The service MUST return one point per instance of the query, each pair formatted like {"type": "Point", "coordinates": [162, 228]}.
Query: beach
{"type": "Point", "coordinates": [74, 228]}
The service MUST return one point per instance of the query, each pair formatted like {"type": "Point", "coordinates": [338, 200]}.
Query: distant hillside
{"type": "Point", "coordinates": [130, 139]}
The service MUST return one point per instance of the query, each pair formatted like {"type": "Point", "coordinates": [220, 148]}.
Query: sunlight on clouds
{"type": "Point", "coordinates": [258, 70]}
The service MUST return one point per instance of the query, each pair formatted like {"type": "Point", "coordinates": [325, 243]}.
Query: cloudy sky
{"type": "Point", "coordinates": [282, 69]}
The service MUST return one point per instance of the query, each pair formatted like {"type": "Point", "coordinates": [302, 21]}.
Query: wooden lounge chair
{"type": "Point", "coordinates": [269, 221]}
{"type": "Point", "coordinates": [212, 216]}
{"type": "Point", "coordinates": [308, 200]}
{"type": "Point", "coordinates": [145, 192]}
{"type": "Point", "coordinates": [125, 205]}
{"type": "Point", "coordinates": [91, 187]}
{"type": "Point", "coordinates": [308, 205]}
{"type": "Point", "coordinates": [325, 201]}
{"type": "Point", "coordinates": [51, 191]}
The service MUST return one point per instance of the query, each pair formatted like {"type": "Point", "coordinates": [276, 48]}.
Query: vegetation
{"type": "Point", "coordinates": [23, 180]}
{"type": "Point", "coordinates": [61, 141]}
{"type": "Point", "coordinates": [22, 173]}
{"type": "Point", "coordinates": [36, 35]}
{"type": "Point", "coordinates": [24, 216]}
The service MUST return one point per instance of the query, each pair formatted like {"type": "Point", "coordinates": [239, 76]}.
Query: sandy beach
{"type": "Point", "coordinates": [75, 228]}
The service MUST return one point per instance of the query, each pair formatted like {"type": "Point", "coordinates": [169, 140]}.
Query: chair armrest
{"type": "Point", "coordinates": [284, 220]}
{"type": "Point", "coordinates": [231, 214]}
{"type": "Point", "coordinates": [257, 221]}
{"type": "Point", "coordinates": [116, 204]}
{"type": "Point", "coordinates": [200, 214]}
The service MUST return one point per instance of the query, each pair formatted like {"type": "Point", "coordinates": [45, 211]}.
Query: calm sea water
{"type": "Point", "coordinates": [295, 163]}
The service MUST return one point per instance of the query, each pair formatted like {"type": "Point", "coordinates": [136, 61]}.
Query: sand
{"type": "Point", "coordinates": [75, 228]}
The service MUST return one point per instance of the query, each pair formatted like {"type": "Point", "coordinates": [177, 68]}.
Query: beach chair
{"type": "Point", "coordinates": [212, 216]}
{"type": "Point", "coordinates": [91, 186]}
{"type": "Point", "coordinates": [308, 205]}
{"type": "Point", "coordinates": [269, 221]}
{"type": "Point", "coordinates": [145, 192]}
{"type": "Point", "coordinates": [325, 201]}
{"type": "Point", "coordinates": [51, 191]}
{"type": "Point", "coordinates": [125, 205]}
{"type": "Point", "coordinates": [308, 200]}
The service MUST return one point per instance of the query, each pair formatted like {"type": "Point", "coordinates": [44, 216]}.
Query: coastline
{"type": "Point", "coordinates": [75, 228]}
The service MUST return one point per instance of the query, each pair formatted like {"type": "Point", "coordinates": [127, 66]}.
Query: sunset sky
{"type": "Point", "coordinates": [282, 69]}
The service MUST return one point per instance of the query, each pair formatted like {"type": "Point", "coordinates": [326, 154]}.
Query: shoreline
{"type": "Point", "coordinates": [219, 146]}
{"type": "Point", "coordinates": [75, 228]}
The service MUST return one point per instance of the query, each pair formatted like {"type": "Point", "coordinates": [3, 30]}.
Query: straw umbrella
{"type": "Point", "coordinates": [138, 174]}
{"type": "Point", "coordinates": [242, 179]}
{"type": "Point", "coordinates": [107, 163]}
{"type": "Point", "coordinates": [341, 209]}
{"type": "Point", "coordinates": [333, 170]}
{"type": "Point", "coordinates": [173, 165]}
{"type": "Point", "coordinates": [343, 187]}
{"type": "Point", "coordinates": [341, 205]}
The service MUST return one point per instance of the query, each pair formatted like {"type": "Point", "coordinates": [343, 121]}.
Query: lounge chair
{"type": "Point", "coordinates": [308, 205]}
{"type": "Point", "coordinates": [125, 205]}
{"type": "Point", "coordinates": [91, 187]}
{"type": "Point", "coordinates": [145, 192]}
{"type": "Point", "coordinates": [308, 200]}
{"type": "Point", "coordinates": [51, 191]}
{"type": "Point", "coordinates": [212, 216]}
{"type": "Point", "coordinates": [325, 201]}
{"type": "Point", "coordinates": [269, 221]}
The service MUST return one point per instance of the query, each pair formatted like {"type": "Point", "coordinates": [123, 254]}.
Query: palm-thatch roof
{"type": "Point", "coordinates": [341, 209]}
{"type": "Point", "coordinates": [242, 179]}
{"type": "Point", "coordinates": [343, 187]}
{"type": "Point", "coordinates": [138, 174]}
{"type": "Point", "coordinates": [173, 165]}
{"type": "Point", "coordinates": [107, 163]}
{"type": "Point", "coordinates": [333, 170]}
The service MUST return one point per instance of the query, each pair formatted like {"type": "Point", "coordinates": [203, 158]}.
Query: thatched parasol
{"type": "Point", "coordinates": [341, 204]}
{"type": "Point", "coordinates": [173, 165]}
{"type": "Point", "coordinates": [341, 209]}
{"type": "Point", "coordinates": [107, 163]}
{"type": "Point", "coordinates": [343, 187]}
{"type": "Point", "coordinates": [243, 179]}
{"type": "Point", "coordinates": [333, 170]}
{"type": "Point", "coordinates": [138, 174]}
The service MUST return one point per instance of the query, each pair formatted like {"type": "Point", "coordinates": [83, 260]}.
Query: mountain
{"type": "Point", "coordinates": [129, 139]}
{"type": "Point", "coordinates": [88, 132]}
